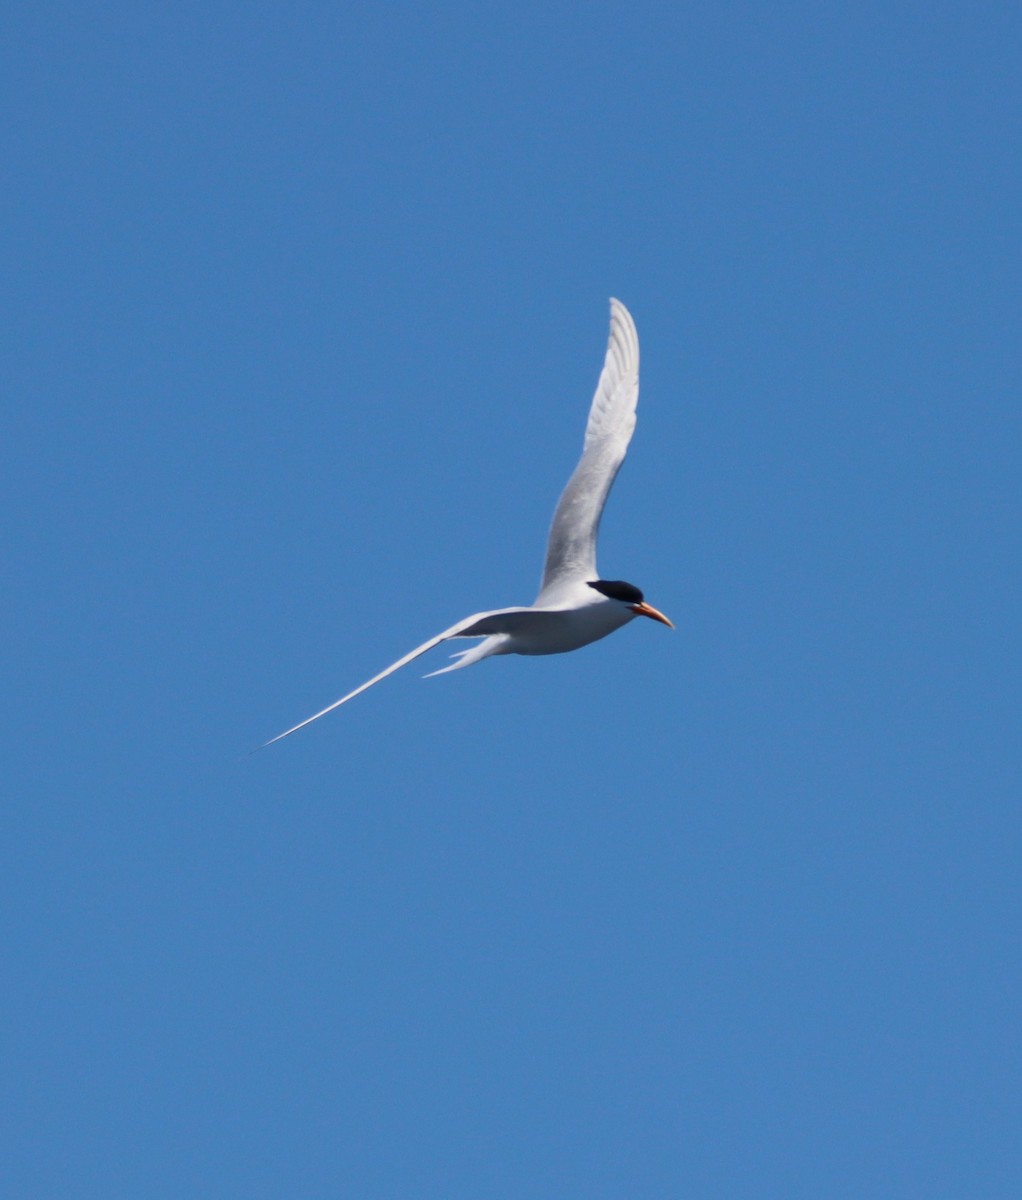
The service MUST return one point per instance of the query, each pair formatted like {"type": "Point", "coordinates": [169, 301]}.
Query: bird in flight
{"type": "Point", "coordinates": [574, 606]}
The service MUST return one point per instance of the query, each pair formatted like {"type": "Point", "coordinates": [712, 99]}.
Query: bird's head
{"type": "Point", "coordinates": [631, 597]}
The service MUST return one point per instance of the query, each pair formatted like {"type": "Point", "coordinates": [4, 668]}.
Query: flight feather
{"type": "Point", "coordinates": [571, 547]}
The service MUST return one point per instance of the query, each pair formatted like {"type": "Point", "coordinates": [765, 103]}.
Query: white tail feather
{"type": "Point", "coordinates": [465, 658]}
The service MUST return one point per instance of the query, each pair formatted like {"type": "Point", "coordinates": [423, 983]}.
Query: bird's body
{"type": "Point", "coordinates": [548, 630]}
{"type": "Point", "coordinates": [555, 631]}
{"type": "Point", "coordinates": [574, 606]}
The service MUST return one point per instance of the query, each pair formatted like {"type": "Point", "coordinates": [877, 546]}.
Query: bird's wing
{"type": "Point", "coordinates": [500, 620]}
{"type": "Point", "coordinates": [571, 548]}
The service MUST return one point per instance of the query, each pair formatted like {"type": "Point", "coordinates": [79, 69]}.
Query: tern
{"type": "Point", "coordinates": [574, 606]}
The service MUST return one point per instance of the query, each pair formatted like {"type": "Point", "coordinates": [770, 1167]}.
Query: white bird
{"type": "Point", "coordinates": [574, 606]}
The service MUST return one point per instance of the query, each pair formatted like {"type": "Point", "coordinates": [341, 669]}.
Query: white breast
{"type": "Point", "coordinates": [567, 629]}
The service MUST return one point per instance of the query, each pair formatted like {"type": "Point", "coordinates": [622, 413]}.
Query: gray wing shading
{"type": "Point", "coordinates": [571, 548]}
{"type": "Point", "coordinates": [500, 620]}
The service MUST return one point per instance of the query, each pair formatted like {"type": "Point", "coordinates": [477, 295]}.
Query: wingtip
{"type": "Point", "coordinates": [623, 324]}
{"type": "Point", "coordinates": [263, 745]}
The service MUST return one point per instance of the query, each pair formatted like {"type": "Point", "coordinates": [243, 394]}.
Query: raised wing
{"type": "Point", "coordinates": [571, 547]}
{"type": "Point", "coordinates": [478, 625]}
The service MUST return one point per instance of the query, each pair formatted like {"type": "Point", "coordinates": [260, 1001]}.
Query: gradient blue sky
{"type": "Point", "coordinates": [303, 306]}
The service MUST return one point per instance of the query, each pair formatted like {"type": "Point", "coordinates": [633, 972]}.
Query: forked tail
{"type": "Point", "coordinates": [494, 644]}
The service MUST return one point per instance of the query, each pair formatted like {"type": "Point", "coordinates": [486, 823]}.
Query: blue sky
{"type": "Point", "coordinates": [303, 310]}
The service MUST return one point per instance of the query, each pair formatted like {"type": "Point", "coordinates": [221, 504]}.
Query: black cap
{"type": "Point", "coordinates": [617, 589]}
